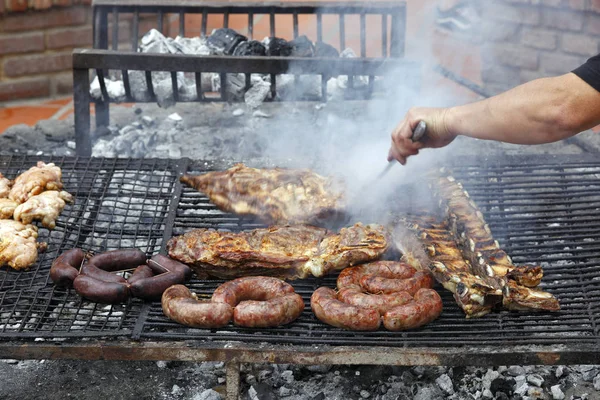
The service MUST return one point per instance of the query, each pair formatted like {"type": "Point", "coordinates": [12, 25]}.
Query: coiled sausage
{"type": "Point", "coordinates": [277, 311]}
{"type": "Point", "coordinates": [426, 307]}
{"type": "Point", "coordinates": [182, 306]}
{"type": "Point", "coordinates": [65, 267]}
{"type": "Point", "coordinates": [378, 284]}
{"type": "Point", "coordinates": [381, 303]}
{"type": "Point", "coordinates": [260, 288]}
{"type": "Point", "coordinates": [118, 260]}
{"type": "Point", "coordinates": [332, 311]}
{"type": "Point", "coordinates": [99, 291]}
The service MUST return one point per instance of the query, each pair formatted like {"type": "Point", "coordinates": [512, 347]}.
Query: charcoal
{"type": "Point", "coordinates": [225, 40]}
{"type": "Point", "coordinates": [278, 47]}
{"type": "Point", "coordinates": [325, 50]}
{"type": "Point", "coordinates": [250, 48]}
{"type": "Point", "coordinates": [302, 47]}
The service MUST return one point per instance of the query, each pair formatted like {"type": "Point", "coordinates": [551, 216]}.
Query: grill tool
{"type": "Point", "coordinates": [418, 134]}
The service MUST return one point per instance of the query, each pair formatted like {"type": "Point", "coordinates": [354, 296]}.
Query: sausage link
{"type": "Point", "coordinates": [426, 307]}
{"type": "Point", "coordinates": [250, 288]}
{"type": "Point", "coordinates": [99, 291]}
{"type": "Point", "coordinates": [182, 306]}
{"type": "Point", "coordinates": [270, 313]}
{"type": "Point", "coordinates": [117, 260]}
{"type": "Point", "coordinates": [152, 288]}
{"type": "Point", "coordinates": [96, 273]}
{"type": "Point", "coordinates": [351, 277]}
{"type": "Point", "coordinates": [141, 272]}
{"type": "Point", "coordinates": [377, 284]}
{"type": "Point", "coordinates": [65, 267]}
{"type": "Point", "coordinates": [171, 265]}
{"type": "Point", "coordinates": [330, 310]}
{"type": "Point", "coordinates": [381, 303]}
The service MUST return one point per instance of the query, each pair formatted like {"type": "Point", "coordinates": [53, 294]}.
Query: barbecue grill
{"type": "Point", "coordinates": [103, 61]}
{"type": "Point", "coordinates": [541, 209]}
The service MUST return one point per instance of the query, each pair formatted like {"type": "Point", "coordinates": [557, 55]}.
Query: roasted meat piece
{"type": "Point", "coordinates": [5, 184]}
{"type": "Point", "coordinates": [7, 208]}
{"type": "Point", "coordinates": [45, 207]}
{"type": "Point", "coordinates": [290, 252]}
{"type": "Point", "coordinates": [276, 196]}
{"type": "Point", "coordinates": [35, 180]}
{"type": "Point", "coordinates": [18, 247]}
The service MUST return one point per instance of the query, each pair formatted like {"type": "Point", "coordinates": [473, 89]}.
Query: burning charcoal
{"type": "Point", "coordinates": [284, 392]}
{"type": "Point", "coordinates": [225, 40]}
{"type": "Point", "coordinates": [250, 48]}
{"type": "Point", "coordinates": [325, 50]}
{"type": "Point", "coordinates": [515, 370]}
{"type": "Point", "coordinates": [428, 393]}
{"type": "Point", "coordinates": [277, 47]}
{"type": "Point", "coordinates": [302, 47]}
{"type": "Point", "coordinates": [535, 380]}
{"type": "Point", "coordinates": [194, 45]}
{"type": "Point", "coordinates": [208, 394]}
{"type": "Point", "coordinates": [445, 383]}
{"type": "Point", "coordinates": [257, 94]}
{"type": "Point", "coordinates": [557, 393]}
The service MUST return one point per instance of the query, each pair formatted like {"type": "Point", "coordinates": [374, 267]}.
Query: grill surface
{"type": "Point", "coordinates": [542, 211]}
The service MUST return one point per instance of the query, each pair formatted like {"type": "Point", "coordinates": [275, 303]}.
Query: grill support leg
{"type": "Point", "coordinates": [233, 380]}
{"type": "Point", "coordinates": [81, 101]}
{"type": "Point", "coordinates": [102, 116]}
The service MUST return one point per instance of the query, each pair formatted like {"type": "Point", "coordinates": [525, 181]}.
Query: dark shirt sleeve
{"type": "Point", "coordinates": [590, 72]}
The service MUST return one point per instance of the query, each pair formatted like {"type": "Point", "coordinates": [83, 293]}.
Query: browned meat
{"type": "Point", "coordinates": [289, 252]}
{"type": "Point", "coordinates": [35, 180]}
{"type": "Point", "coordinates": [277, 196]}
{"type": "Point", "coordinates": [45, 206]}
{"type": "Point", "coordinates": [5, 185]}
{"type": "Point", "coordinates": [329, 309]}
{"type": "Point", "coordinates": [426, 307]}
{"type": "Point", "coordinates": [7, 208]}
{"type": "Point", "coordinates": [18, 247]}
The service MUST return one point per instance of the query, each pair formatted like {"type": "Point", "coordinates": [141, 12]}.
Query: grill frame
{"type": "Point", "coordinates": [574, 350]}
{"type": "Point", "coordinates": [106, 55]}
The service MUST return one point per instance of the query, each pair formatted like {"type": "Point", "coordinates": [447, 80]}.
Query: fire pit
{"type": "Point", "coordinates": [541, 210]}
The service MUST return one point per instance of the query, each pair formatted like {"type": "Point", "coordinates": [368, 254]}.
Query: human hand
{"type": "Point", "coordinates": [438, 134]}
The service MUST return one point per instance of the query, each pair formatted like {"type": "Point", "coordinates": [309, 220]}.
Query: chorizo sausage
{"type": "Point", "coordinates": [426, 307]}
{"type": "Point", "coordinates": [141, 272]}
{"type": "Point", "coordinates": [182, 306]}
{"type": "Point", "coordinates": [351, 277]}
{"type": "Point", "coordinates": [65, 267]}
{"type": "Point", "coordinates": [330, 310]}
{"type": "Point", "coordinates": [379, 302]}
{"type": "Point", "coordinates": [99, 291]}
{"type": "Point", "coordinates": [378, 284]}
{"type": "Point", "coordinates": [105, 276]}
{"type": "Point", "coordinates": [258, 288]}
{"type": "Point", "coordinates": [274, 312]}
{"type": "Point", "coordinates": [118, 260]}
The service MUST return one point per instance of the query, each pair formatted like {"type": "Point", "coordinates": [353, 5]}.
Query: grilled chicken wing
{"type": "Point", "coordinates": [290, 252]}
{"type": "Point", "coordinates": [18, 247]}
{"type": "Point", "coordinates": [277, 195]}
{"type": "Point", "coordinates": [5, 184]}
{"type": "Point", "coordinates": [45, 206]}
{"type": "Point", "coordinates": [35, 180]}
{"type": "Point", "coordinates": [7, 208]}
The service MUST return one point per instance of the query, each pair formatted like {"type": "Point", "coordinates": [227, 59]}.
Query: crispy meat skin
{"type": "Point", "coordinates": [18, 247]}
{"type": "Point", "coordinates": [35, 180]}
{"type": "Point", "coordinates": [7, 208]}
{"type": "Point", "coordinates": [289, 252]}
{"type": "Point", "coordinates": [277, 196]}
{"type": "Point", "coordinates": [45, 206]}
{"type": "Point", "coordinates": [5, 184]}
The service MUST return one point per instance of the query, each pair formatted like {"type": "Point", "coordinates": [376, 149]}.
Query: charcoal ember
{"type": "Point", "coordinates": [114, 88]}
{"type": "Point", "coordinates": [325, 50]}
{"type": "Point", "coordinates": [225, 40]}
{"type": "Point", "coordinates": [302, 47]}
{"type": "Point", "coordinates": [277, 47]}
{"type": "Point", "coordinates": [257, 94]}
{"type": "Point", "coordinates": [250, 48]}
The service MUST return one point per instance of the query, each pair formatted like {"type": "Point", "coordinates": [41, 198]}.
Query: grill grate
{"type": "Point", "coordinates": [119, 203]}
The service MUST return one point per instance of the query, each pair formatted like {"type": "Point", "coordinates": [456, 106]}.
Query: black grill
{"type": "Point", "coordinates": [541, 210]}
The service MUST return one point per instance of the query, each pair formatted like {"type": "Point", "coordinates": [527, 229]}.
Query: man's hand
{"type": "Point", "coordinates": [438, 134]}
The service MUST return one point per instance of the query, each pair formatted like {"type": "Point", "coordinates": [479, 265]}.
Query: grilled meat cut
{"type": "Point", "coordinates": [5, 184]}
{"type": "Point", "coordinates": [18, 247]}
{"type": "Point", "coordinates": [35, 180]}
{"type": "Point", "coordinates": [290, 252]}
{"type": "Point", "coordinates": [276, 196]}
{"type": "Point", "coordinates": [45, 206]}
{"type": "Point", "coordinates": [487, 259]}
{"type": "Point", "coordinates": [7, 208]}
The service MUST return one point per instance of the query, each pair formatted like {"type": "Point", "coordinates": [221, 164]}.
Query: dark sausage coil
{"type": "Point", "coordinates": [384, 291]}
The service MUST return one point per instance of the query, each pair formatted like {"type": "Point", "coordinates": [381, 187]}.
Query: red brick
{"type": "Point", "coordinates": [559, 63]}
{"type": "Point", "coordinates": [21, 43]}
{"type": "Point", "coordinates": [46, 19]}
{"type": "Point", "coordinates": [2, 7]}
{"type": "Point", "coordinates": [515, 56]}
{"type": "Point", "coordinates": [593, 24]}
{"type": "Point", "coordinates": [562, 19]}
{"type": "Point", "coordinates": [16, 5]}
{"type": "Point", "coordinates": [39, 64]}
{"type": "Point", "coordinates": [24, 89]}
{"type": "Point", "coordinates": [41, 4]}
{"type": "Point", "coordinates": [61, 84]}
{"type": "Point", "coordinates": [579, 44]}
{"type": "Point", "coordinates": [539, 39]}
{"type": "Point", "coordinates": [69, 37]}
{"type": "Point", "coordinates": [595, 5]}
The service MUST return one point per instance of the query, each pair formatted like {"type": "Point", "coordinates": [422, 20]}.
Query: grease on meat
{"type": "Point", "coordinates": [45, 207]}
{"type": "Point", "coordinates": [35, 180]}
{"type": "Point", "coordinates": [18, 247]}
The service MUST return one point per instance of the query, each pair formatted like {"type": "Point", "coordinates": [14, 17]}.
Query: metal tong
{"type": "Point", "coordinates": [418, 134]}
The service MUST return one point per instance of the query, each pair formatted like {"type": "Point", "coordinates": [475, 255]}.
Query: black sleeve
{"type": "Point", "coordinates": [590, 72]}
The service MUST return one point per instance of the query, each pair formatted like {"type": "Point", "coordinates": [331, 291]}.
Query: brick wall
{"type": "Point", "coordinates": [523, 40]}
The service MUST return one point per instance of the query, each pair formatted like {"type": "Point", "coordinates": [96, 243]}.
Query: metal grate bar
{"type": "Point", "coordinates": [125, 75]}
{"type": "Point", "coordinates": [204, 23]}
{"type": "Point", "coordinates": [115, 29]}
{"type": "Point", "coordinates": [342, 31]}
{"type": "Point", "coordinates": [102, 82]}
{"type": "Point", "coordinates": [272, 22]}
{"type": "Point", "coordinates": [150, 85]}
{"type": "Point", "coordinates": [363, 35]}
{"type": "Point", "coordinates": [135, 31]}
{"type": "Point", "coordinates": [159, 21]}
{"type": "Point", "coordinates": [319, 27]}
{"type": "Point", "coordinates": [226, 19]}
{"type": "Point", "coordinates": [174, 86]}
{"type": "Point", "coordinates": [295, 23]}
{"type": "Point", "coordinates": [251, 25]}
{"type": "Point", "coordinates": [384, 35]}
{"type": "Point", "coordinates": [181, 23]}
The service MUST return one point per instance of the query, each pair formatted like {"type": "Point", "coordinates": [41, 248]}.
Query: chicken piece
{"type": "Point", "coordinates": [35, 180]}
{"type": "Point", "coordinates": [7, 208]}
{"type": "Point", "coordinates": [18, 247]}
{"type": "Point", "coordinates": [5, 184]}
{"type": "Point", "coordinates": [45, 206]}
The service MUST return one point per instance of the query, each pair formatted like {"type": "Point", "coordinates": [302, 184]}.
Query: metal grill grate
{"type": "Point", "coordinates": [542, 211]}
{"type": "Point", "coordinates": [119, 203]}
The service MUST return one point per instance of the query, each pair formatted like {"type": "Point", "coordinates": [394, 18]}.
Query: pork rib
{"type": "Point", "coordinates": [290, 252]}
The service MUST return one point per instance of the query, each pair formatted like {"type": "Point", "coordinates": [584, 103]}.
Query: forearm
{"type": "Point", "coordinates": [541, 111]}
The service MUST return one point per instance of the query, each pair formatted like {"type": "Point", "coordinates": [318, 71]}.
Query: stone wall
{"type": "Point", "coordinates": [523, 40]}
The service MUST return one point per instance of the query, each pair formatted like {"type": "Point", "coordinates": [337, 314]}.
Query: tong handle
{"type": "Point", "coordinates": [419, 132]}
